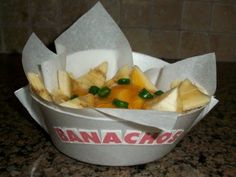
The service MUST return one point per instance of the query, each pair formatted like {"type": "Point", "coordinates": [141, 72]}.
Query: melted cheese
{"type": "Point", "coordinates": [128, 93]}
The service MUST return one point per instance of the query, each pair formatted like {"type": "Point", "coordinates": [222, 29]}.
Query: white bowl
{"type": "Point", "coordinates": [103, 140]}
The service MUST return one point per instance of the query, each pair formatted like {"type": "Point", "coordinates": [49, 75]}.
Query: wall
{"type": "Point", "coordinates": [162, 28]}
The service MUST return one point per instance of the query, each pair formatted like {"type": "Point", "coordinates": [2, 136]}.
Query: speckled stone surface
{"type": "Point", "coordinates": [26, 150]}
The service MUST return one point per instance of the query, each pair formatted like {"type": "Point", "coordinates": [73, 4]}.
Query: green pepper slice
{"type": "Point", "coordinates": [94, 90]}
{"type": "Point", "coordinates": [120, 104]}
{"type": "Point", "coordinates": [123, 81]}
{"type": "Point", "coordinates": [159, 92]}
{"type": "Point", "coordinates": [145, 94]}
{"type": "Point", "coordinates": [104, 92]}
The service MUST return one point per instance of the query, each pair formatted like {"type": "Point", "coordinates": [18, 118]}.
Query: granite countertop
{"type": "Point", "coordinates": [26, 150]}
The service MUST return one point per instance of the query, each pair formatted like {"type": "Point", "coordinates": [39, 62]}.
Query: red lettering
{"type": "Point", "coordinates": [148, 138]}
{"type": "Point", "coordinates": [90, 137]}
{"type": "Point", "coordinates": [73, 137]}
{"type": "Point", "coordinates": [111, 137]}
{"type": "Point", "coordinates": [175, 136]}
{"type": "Point", "coordinates": [163, 137]}
{"type": "Point", "coordinates": [61, 134]}
{"type": "Point", "coordinates": [132, 137]}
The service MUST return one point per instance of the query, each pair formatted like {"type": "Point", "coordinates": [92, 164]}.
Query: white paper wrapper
{"type": "Point", "coordinates": [95, 38]}
{"type": "Point", "coordinates": [85, 60]}
{"type": "Point", "coordinates": [37, 58]}
{"type": "Point", "coordinates": [34, 54]}
{"type": "Point", "coordinates": [199, 69]}
{"type": "Point", "coordinates": [95, 30]}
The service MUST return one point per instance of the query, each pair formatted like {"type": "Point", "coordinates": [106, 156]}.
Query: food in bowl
{"type": "Point", "coordinates": [129, 88]}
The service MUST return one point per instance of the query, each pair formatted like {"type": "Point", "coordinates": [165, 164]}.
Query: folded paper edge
{"type": "Point", "coordinates": [26, 100]}
{"type": "Point", "coordinates": [209, 58]}
{"type": "Point", "coordinates": [205, 111]}
{"type": "Point", "coordinates": [124, 115]}
{"type": "Point", "coordinates": [28, 54]}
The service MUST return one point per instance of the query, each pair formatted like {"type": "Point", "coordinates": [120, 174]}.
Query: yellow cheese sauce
{"type": "Point", "coordinates": [127, 93]}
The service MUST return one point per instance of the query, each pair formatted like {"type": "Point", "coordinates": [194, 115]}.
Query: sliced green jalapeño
{"type": "Point", "coordinates": [159, 92]}
{"type": "Point", "coordinates": [123, 81]}
{"type": "Point", "coordinates": [94, 90]}
{"type": "Point", "coordinates": [120, 104]}
{"type": "Point", "coordinates": [104, 92]}
{"type": "Point", "coordinates": [145, 94]}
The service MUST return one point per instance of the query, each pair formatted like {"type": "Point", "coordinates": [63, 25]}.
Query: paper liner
{"type": "Point", "coordinates": [33, 109]}
{"type": "Point", "coordinates": [49, 71]}
{"type": "Point", "coordinates": [34, 54]}
{"type": "Point", "coordinates": [95, 30]}
{"type": "Point", "coordinates": [85, 60]}
{"type": "Point", "coordinates": [199, 69]}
